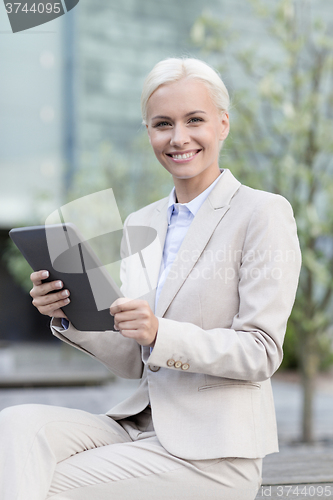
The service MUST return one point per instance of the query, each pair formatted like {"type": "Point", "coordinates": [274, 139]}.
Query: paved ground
{"type": "Point", "coordinates": [298, 471]}
{"type": "Point", "coordinates": [288, 403]}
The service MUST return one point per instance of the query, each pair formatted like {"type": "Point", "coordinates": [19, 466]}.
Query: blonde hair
{"type": "Point", "coordinates": [173, 69]}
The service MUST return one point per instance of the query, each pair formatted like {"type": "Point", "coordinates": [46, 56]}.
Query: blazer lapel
{"type": "Point", "coordinates": [197, 237]}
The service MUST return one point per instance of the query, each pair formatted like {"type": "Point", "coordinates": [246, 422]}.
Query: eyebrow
{"type": "Point", "coordinates": [187, 114]}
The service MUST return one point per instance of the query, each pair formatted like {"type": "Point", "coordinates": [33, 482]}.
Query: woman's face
{"type": "Point", "coordinates": [184, 128]}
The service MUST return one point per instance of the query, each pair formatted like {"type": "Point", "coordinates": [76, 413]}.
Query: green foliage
{"type": "Point", "coordinates": [280, 141]}
{"type": "Point", "coordinates": [17, 265]}
{"type": "Point", "coordinates": [290, 358]}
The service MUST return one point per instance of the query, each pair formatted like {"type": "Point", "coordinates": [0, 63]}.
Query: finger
{"type": "Point", "coordinates": [124, 304]}
{"type": "Point", "coordinates": [50, 298]}
{"type": "Point", "coordinates": [129, 315]}
{"type": "Point", "coordinates": [129, 325]}
{"type": "Point", "coordinates": [49, 309]}
{"type": "Point", "coordinates": [38, 276]}
{"type": "Point", "coordinates": [118, 302]}
{"type": "Point", "coordinates": [131, 334]}
{"type": "Point", "coordinates": [43, 289]}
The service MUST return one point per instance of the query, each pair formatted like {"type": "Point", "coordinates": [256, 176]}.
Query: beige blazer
{"type": "Point", "coordinates": [222, 316]}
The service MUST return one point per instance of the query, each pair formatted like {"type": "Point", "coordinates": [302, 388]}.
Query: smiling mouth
{"type": "Point", "coordinates": [183, 156]}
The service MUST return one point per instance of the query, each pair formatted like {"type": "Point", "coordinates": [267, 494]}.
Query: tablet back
{"type": "Point", "coordinates": [71, 264]}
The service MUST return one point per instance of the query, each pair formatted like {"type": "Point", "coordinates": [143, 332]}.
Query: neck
{"type": "Point", "coordinates": [188, 189]}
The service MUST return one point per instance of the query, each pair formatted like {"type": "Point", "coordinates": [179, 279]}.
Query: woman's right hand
{"type": "Point", "coordinates": [47, 303]}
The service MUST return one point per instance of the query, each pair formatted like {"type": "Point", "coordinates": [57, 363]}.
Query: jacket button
{"type": "Point", "coordinates": [170, 362]}
{"type": "Point", "coordinates": [154, 368]}
{"type": "Point", "coordinates": [185, 366]}
{"type": "Point", "coordinates": [178, 364]}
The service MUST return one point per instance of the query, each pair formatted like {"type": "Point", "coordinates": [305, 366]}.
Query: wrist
{"type": "Point", "coordinates": [151, 345]}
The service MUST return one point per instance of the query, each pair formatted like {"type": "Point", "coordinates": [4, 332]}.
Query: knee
{"type": "Point", "coordinates": [11, 414]}
{"type": "Point", "coordinates": [10, 419]}
{"type": "Point", "coordinates": [19, 416]}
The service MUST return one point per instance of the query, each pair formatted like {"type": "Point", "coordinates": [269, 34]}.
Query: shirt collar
{"type": "Point", "coordinates": [193, 205]}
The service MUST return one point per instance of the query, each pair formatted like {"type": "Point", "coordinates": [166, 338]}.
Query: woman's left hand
{"type": "Point", "coordinates": [134, 319]}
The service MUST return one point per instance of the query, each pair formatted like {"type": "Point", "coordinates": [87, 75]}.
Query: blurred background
{"type": "Point", "coordinates": [70, 125]}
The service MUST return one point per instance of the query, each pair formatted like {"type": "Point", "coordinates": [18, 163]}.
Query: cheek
{"type": "Point", "coordinates": [158, 143]}
{"type": "Point", "coordinates": [210, 139]}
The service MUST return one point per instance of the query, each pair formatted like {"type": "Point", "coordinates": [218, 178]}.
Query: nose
{"type": "Point", "coordinates": [180, 136]}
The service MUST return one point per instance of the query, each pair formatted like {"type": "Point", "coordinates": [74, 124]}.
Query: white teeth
{"type": "Point", "coordinates": [184, 156]}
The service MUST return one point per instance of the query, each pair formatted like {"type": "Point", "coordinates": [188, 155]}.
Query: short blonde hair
{"type": "Point", "coordinates": [173, 69]}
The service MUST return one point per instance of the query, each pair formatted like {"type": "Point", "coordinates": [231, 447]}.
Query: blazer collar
{"type": "Point", "coordinates": [200, 231]}
{"type": "Point", "coordinates": [224, 190]}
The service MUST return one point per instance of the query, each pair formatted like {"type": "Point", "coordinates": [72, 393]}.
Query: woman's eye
{"type": "Point", "coordinates": [161, 124]}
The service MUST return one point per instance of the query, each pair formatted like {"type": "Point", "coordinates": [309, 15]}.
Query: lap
{"type": "Point", "coordinates": [67, 431]}
{"type": "Point", "coordinates": [97, 457]}
{"type": "Point", "coordinates": [141, 468]}
{"type": "Point", "coordinates": [144, 470]}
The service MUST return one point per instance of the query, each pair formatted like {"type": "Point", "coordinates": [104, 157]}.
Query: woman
{"type": "Point", "coordinates": [205, 341]}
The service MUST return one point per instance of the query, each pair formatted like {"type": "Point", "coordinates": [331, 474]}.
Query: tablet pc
{"type": "Point", "coordinates": [61, 250]}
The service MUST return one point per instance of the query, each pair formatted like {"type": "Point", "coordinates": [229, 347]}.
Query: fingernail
{"type": "Point", "coordinates": [45, 274]}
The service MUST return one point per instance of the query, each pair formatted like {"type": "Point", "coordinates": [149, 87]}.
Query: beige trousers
{"type": "Point", "coordinates": [49, 452]}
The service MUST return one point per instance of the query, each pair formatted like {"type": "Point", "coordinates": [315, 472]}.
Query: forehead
{"type": "Point", "coordinates": [179, 98]}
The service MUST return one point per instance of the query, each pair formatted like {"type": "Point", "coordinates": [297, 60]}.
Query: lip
{"type": "Point", "coordinates": [183, 160]}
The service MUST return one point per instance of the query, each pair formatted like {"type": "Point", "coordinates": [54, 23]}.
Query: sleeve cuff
{"type": "Point", "coordinates": [65, 323]}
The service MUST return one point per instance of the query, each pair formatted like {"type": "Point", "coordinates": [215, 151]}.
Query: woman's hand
{"type": "Point", "coordinates": [134, 319]}
{"type": "Point", "coordinates": [47, 303]}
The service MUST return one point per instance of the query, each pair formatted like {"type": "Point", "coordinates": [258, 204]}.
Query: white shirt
{"type": "Point", "coordinates": [180, 216]}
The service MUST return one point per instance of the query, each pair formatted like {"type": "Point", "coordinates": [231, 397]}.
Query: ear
{"type": "Point", "coordinates": [225, 127]}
